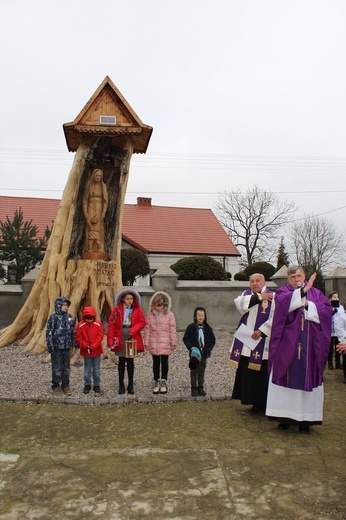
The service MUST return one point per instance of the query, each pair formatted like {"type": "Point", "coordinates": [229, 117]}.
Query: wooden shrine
{"type": "Point", "coordinates": [82, 261]}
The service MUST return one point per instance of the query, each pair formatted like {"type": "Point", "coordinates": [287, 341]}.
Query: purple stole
{"type": "Point", "coordinates": [256, 354]}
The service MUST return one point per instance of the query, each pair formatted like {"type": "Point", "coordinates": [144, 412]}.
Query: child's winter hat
{"type": "Point", "coordinates": [195, 352]}
{"type": "Point", "coordinates": [89, 312]}
{"type": "Point", "coordinates": [195, 357]}
{"type": "Point", "coordinates": [128, 290]}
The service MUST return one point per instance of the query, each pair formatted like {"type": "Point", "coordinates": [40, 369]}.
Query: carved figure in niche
{"type": "Point", "coordinates": [95, 204]}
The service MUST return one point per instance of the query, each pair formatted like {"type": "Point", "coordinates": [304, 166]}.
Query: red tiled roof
{"type": "Point", "coordinates": [153, 229]}
{"type": "Point", "coordinates": [41, 211]}
{"type": "Point", "coordinates": [164, 229]}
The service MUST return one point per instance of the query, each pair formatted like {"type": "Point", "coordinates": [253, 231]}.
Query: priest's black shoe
{"type": "Point", "coordinates": [304, 429]}
{"type": "Point", "coordinates": [283, 426]}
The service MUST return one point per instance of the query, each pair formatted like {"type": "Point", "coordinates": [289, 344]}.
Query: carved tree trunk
{"type": "Point", "coordinates": [63, 272]}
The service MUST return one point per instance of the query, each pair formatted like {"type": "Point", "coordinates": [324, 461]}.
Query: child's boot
{"type": "Point", "coordinates": [194, 391]}
{"type": "Point", "coordinates": [163, 388]}
{"type": "Point", "coordinates": [157, 386]}
{"type": "Point", "coordinates": [201, 391]}
{"type": "Point", "coordinates": [87, 389]}
{"type": "Point", "coordinates": [97, 389]}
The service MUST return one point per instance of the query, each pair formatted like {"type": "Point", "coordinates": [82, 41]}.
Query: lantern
{"type": "Point", "coordinates": [131, 348]}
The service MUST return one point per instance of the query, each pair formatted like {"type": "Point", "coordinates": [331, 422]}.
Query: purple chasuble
{"type": "Point", "coordinates": [256, 354]}
{"type": "Point", "coordinates": [298, 348]}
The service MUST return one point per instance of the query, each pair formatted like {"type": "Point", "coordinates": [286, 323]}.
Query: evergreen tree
{"type": "Point", "coordinates": [282, 258]}
{"type": "Point", "coordinates": [19, 244]}
{"type": "Point", "coordinates": [46, 236]}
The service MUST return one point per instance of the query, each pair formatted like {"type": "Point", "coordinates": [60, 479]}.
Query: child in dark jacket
{"type": "Point", "coordinates": [199, 335]}
{"type": "Point", "coordinates": [60, 337]}
{"type": "Point", "coordinates": [89, 336]}
{"type": "Point", "coordinates": [125, 323]}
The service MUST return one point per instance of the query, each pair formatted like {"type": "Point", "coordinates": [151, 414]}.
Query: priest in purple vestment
{"type": "Point", "coordinates": [298, 352]}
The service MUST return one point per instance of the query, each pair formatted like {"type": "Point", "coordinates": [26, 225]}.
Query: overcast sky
{"type": "Point", "coordinates": [239, 92]}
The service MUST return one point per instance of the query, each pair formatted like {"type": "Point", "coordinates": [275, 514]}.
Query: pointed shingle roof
{"type": "Point", "coordinates": [108, 113]}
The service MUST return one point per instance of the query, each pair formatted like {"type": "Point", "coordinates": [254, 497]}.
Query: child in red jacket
{"type": "Point", "coordinates": [125, 322]}
{"type": "Point", "coordinates": [89, 335]}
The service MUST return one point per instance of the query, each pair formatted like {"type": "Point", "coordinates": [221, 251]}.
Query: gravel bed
{"type": "Point", "coordinates": [28, 376]}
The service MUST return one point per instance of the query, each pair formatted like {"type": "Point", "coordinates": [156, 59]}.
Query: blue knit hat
{"type": "Point", "coordinates": [195, 357]}
{"type": "Point", "coordinates": [195, 352]}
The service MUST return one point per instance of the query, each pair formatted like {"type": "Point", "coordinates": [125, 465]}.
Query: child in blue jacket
{"type": "Point", "coordinates": [60, 336]}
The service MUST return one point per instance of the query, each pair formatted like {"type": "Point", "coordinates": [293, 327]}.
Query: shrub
{"type": "Point", "coordinates": [240, 277]}
{"type": "Point", "coordinates": [264, 268]}
{"type": "Point", "coordinates": [199, 268]}
{"type": "Point", "coordinates": [134, 263]}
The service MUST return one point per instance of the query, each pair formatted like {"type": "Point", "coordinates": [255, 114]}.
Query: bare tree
{"type": "Point", "coordinates": [316, 243]}
{"type": "Point", "coordinates": [253, 219]}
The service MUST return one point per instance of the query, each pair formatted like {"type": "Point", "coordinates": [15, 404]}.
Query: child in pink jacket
{"type": "Point", "coordinates": [160, 337]}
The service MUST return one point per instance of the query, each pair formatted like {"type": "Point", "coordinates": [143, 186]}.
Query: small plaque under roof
{"type": "Point", "coordinates": [108, 120]}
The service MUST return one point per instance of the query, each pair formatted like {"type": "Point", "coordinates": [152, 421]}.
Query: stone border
{"type": "Point", "coordinates": [121, 400]}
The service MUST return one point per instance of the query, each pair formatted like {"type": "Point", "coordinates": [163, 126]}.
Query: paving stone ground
{"type": "Point", "coordinates": [169, 460]}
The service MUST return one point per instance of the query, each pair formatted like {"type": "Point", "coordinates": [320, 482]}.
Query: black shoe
{"type": "Point", "coordinates": [87, 389]}
{"type": "Point", "coordinates": [330, 366]}
{"type": "Point", "coordinates": [283, 426]}
{"type": "Point", "coordinates": [194, 391]}
{"type": "Point", "coordinates": [304, 429]}
{"type": "Point", "coordinates": [97, 389]}
{"type": "Point", "coordinates": [130, 390]}
{"type": "Point", "coordinates": [201, 391]}
{"type": "Point", "coordinates": [121, 389]}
